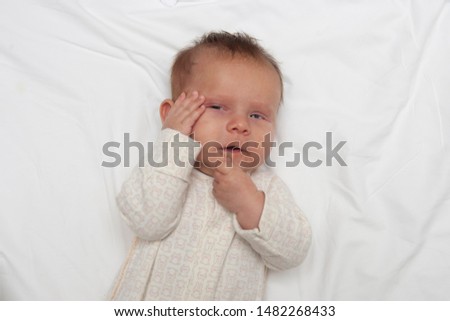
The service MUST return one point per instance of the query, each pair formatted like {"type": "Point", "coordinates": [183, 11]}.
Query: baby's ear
{"type": "Point", "coordinates": [164, 109]}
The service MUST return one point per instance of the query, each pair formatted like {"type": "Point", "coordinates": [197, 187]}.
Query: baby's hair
{"type": "Point", "coordinates": [225, 43]}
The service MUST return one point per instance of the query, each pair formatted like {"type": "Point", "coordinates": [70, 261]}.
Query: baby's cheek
{"type": "Point", "coordinates": [210, 154]}
{"type": "Point", "coordinates": [202, 129]}
{"type": "Point", "coordinates": [266, 139]}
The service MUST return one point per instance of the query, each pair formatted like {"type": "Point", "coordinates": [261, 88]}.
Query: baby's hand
{"type": "Point", "coordinates": [185, 112]}
{"type": "Point", "coordinates": [235, 190]}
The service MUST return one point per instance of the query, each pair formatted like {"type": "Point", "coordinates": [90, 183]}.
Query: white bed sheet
{"type": "Point", "coordinates": [75, 75]}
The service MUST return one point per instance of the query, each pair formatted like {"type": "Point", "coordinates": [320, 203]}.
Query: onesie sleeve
{"type": "Point", "coordinates": [151, 199]}
{"type": "Point", "coordinates": [284, 234]}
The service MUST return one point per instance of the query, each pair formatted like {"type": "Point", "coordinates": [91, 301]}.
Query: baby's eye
{"type": "Point", "coordinates": [217, 107]}
{"type": "Point", "coordinates": [257, 116]}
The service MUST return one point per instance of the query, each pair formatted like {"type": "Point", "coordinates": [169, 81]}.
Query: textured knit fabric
{"type": "Point", "coordinates": [189, 247]}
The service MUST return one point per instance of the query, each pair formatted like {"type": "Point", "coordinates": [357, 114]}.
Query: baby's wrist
{"type": "Point", "coordinates": [176, 128]}
{"type": "Point", "coordinates": [250, 213]}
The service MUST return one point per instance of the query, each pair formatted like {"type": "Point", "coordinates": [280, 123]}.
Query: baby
{"type": "Point", "coordinates": [210, 229]}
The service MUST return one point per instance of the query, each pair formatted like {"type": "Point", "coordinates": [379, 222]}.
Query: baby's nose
{"type": "Point", "coordinates": [239, 124]}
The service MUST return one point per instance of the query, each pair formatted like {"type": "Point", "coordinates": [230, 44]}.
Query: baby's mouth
{"type": "Point", "coordinates": [234, 148]}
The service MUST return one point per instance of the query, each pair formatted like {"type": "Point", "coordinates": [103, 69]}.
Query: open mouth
{"type": "Point", "coordinates": [233, 148]}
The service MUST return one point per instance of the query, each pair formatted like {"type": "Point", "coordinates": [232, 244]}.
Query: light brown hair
{"type": "Point", "coordinates": [224, 43]}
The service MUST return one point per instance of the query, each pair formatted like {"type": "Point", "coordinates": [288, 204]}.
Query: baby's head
{"type": "Point", "coordinates": [243, 87]}
{"type": "Point", "coordinates": [219, 45]}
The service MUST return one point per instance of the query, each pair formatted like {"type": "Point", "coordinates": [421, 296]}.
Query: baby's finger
{"type": "Point", "coordinates": [188, 104]}
{"type": "Point", "coordinates": [223, 168]}
{"type": "Point", "coordinates": [185, 100]}
{"type": "Point", "coordinates": [188, 99]}
{"type": "Point", "coordinates": [180, 98]}
{"type": "Point", "coordinates": [194, 102]}
{"type": "Point", "coordinates": [195, 114]}
{"type": "Point", "coordinates": [177, 107]}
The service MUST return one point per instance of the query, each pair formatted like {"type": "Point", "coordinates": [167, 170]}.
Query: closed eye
{"type": "Point", "coordinates": [216, 107]}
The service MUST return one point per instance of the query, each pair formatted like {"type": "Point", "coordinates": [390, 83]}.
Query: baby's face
{"type": "Point", "coordinates": [242, 99]}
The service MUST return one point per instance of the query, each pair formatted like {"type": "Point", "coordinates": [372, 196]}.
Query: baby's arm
{"type": "Point", "coordinates": [151, 200]}
{"type": "Point", "coordinates": [271, 222]}
{"type": "Point", "coordinates": [284, 234]}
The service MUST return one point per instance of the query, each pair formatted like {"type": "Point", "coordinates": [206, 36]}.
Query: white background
{"type": "Point", "coordinates": [75, 75]}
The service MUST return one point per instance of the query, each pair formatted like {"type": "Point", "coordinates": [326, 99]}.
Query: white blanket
{"type": "Point", "coordinates": [75, 75]}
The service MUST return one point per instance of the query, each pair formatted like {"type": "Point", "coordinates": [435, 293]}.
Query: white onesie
{"type": "Point", "coordinates": [189, 247]}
